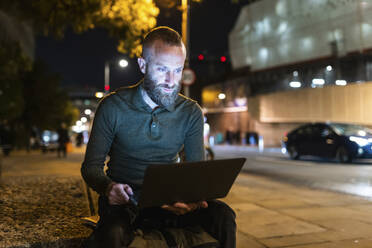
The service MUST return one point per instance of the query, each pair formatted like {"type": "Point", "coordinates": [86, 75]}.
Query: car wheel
{"type": "Point", "coordinates": [343, 156]}
{"type": "Point", "coordinates": [293, 153]}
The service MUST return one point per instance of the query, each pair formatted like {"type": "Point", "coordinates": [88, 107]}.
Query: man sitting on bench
{"type": "Point", "coordinates": [149, 123]}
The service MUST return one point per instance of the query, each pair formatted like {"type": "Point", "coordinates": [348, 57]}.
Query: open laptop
{"type": "Point", "coordinates": [188, 182]}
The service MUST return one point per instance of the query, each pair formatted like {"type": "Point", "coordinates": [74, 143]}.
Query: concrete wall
{"type": "Point", "coordinates": [351, 103]}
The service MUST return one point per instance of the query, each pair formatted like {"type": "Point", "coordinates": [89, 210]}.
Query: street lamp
{"type": "Point", "coordinates": [122, 63]}
{"type": "Point", "coordinates": [221, 96]}
{"type": "Point", "coordinates": [185, 36]}
{"type": "Point", "coordinates": [99, 94]}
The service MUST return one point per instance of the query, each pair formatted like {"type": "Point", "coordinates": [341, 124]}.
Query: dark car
{"type": "Point", "coordinates": [49, 141]}
{"type": "Point", "coordinates": [344, 142]}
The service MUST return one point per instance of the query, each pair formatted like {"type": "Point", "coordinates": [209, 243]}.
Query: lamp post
{"type": "Point", "coordinates": [122, 63]}
{"type": "Point", "coordinates": [185, 37]}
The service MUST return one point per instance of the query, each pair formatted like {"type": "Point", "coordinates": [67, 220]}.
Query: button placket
{"type": "Point", "coordinates": [154, 126]}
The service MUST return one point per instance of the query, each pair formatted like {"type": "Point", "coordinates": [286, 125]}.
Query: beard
{"type": "Point", "coordinates": [155, 92]}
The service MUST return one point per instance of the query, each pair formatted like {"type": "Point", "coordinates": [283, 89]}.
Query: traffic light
{"type": "Point", "coordinates": [107, 87]}
{"type": "Point", "coordinates": [200, 57]}
{"type": "Point", "coordinates": [223, 59]}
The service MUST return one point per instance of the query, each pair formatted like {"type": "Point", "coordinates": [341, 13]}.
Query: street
{"type": "Point", "coordinates": [355, 178]}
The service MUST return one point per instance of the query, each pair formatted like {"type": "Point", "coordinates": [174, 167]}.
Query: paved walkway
{"type": "Point", "coordinates": [269, 213]}
{"type": "Point", "coordinates": [273, 214]}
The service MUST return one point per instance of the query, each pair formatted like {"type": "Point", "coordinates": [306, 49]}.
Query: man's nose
{"type": "Point", "coordinates": [170, 78]}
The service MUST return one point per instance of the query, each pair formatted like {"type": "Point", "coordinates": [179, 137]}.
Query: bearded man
{"type": "Point", "coordinates": [149, 123]}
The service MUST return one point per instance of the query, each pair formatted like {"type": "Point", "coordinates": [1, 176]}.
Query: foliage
{"type": "Point", "coordinates": [126, 20]}
{"type": "Point", "coordinates": [47, 106]}
{"type": "Point", "coordinates": [13, 66]}
{"type": "Point", "coordinates": [30, 96]}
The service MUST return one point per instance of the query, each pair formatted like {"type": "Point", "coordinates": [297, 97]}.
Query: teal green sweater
{"type": "Point", "coordinates": [134, 136]}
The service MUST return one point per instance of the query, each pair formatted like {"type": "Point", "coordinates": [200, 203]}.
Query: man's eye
{"type": "Point", "coordinates": [162, 69]}
{"type": "Point", "coordinates": [179, 70]}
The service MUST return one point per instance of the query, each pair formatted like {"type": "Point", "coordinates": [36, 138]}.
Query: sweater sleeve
{"type": "Point", "coordinates": [99, 145]}
{"type": "Point", "coordinates": [194, 140]}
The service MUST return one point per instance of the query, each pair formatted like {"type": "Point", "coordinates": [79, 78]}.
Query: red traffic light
{"type": "Point", "coordinates": [223, 59]}
{"type": "Point", "coordinates": [107, 87]}
{"type": "Point", "coordinates": [200, 57]}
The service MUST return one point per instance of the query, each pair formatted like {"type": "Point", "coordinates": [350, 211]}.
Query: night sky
{"type": "Point", "coordinates": [80, 59]}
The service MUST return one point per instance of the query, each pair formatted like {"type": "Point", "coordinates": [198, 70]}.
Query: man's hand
{"type": "Point", "coordinates": [118, 193]}
{"type": "Point", "coordinates": [180, 208]}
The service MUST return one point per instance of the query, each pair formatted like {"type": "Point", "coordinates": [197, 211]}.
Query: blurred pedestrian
{"type": "Point", "coordinates": [79, 139]}
{"type": "Point", "coordinates": [145, 124]}
{"type": "Point", "coordinates": [63, 139]}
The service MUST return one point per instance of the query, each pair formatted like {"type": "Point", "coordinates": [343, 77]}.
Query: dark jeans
{"type": "Point", "coordinates": [117, 223]}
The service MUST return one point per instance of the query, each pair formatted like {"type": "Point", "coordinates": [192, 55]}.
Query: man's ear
{"type": "Point", "coordinates": [142, 64]}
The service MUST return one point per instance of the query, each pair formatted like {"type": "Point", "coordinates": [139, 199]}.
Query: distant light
{"type": "Point", "coordinates": [87, 111]}
{"type": "Point", "coordinates": [318, 81]}
{"type": "Point", "coordinates": [362, 133]}
{"type": "Point", "coordinates": [284, 150]}
{"type": "Point", "coordinates": [46, 138]}
{"type": "Point", "coordinates": [307, 43]}
{"type": "Point", "coordinates": [263, 53]}
{"type": "Point", "coordinates": [240, 101]}
{"type": "Point", "coordinates": [221, 96]}
{"type": "Point", "coordinates": [123, 63]}
{"type": "Point", "coordinates": [79, 123]}
{"type": "Point", "coordinates": [295, 73]}
{"type": "Point", "coordinates": [329, 68]}
{"type": "Point", "coordinates": [282, 27]}
{"type": "Point", "coordinates": [84, 119]}
{"type": "Point", "coordinates": [360, 141]}
{"type": "Point", "coordinates": [107, 87]}
{"type": "Point", "coordinates": [364, 3]}
{"type": "Point", "coordinates": [200, 57]}
{"type": "Point", "coordinates": [295, 84]}
{"type": "Point", "coordinates": [341, 82]}
{"type": "Point", "coordinates": [223, 58]}
{"type": "Point", "coordinates": [99, 94]}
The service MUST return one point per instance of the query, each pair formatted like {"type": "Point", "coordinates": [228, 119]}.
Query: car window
{"type": "Point", "coordinates": [325, 131]}
{"type": "Point", "coordinates": [315, 130]}
{"type": "Point", "coordinates": [303, 130]}
{"type": "Point", "coordinates": [349, 129]}
{"type": "Point", "coordinates": [300, 131]}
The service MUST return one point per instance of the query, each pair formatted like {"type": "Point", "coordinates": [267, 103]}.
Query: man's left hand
{"type": "Point", "coordinates": [180, 208]}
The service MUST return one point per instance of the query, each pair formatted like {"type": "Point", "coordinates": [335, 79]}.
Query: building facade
{"type": "Point", "coordinates": [294, 62]}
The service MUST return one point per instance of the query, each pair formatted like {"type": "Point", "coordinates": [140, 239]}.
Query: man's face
{"type": "Point", "coordinates": [163, 72]}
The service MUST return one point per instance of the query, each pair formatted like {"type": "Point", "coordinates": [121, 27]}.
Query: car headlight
{"type": "Point", "coordinates": [360, 141]}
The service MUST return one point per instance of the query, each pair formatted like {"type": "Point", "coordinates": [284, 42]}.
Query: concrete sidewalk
{"type": "Point", "coordinates": [273, 214]}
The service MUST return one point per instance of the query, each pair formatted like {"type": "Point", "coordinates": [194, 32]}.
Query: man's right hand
{"type": "Point", "coordinates": [118, 193]}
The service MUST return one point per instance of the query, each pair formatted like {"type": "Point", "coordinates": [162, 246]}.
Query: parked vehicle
{"type": "Point", "coordinates": [49, 141]}
{"type": "Point", "coordinates": [344, 142]}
